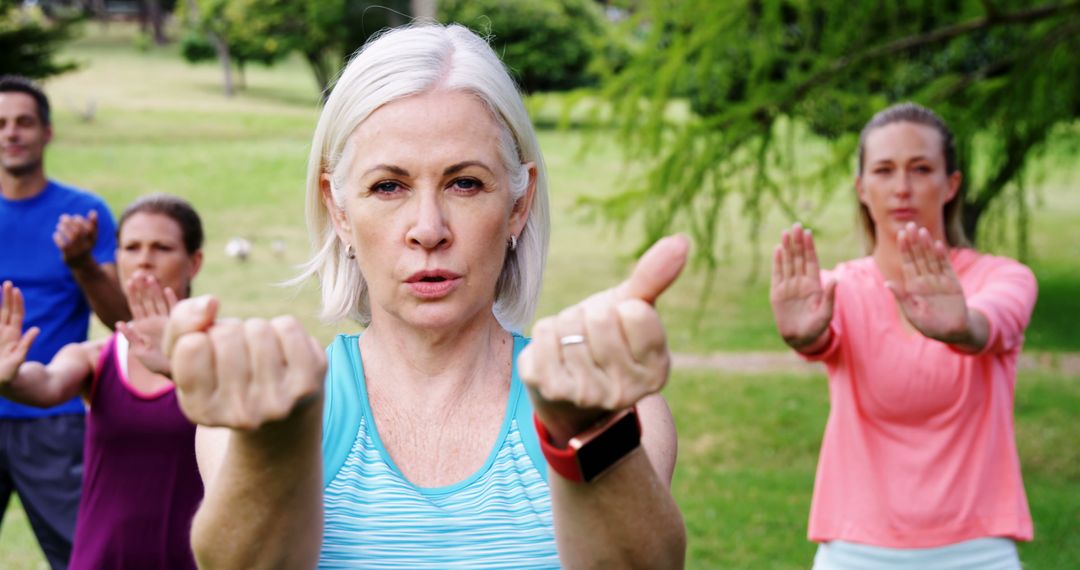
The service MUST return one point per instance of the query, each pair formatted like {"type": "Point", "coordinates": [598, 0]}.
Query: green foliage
{"type": "Point", "coordinates": [29, 42]}
{"type": "Point", "coordinates": [245, 26]}
{"type": "Point", "coordinates": [547, 44]}
{"type": "Point", "coordinates": [323, 32]}
{"type": "Point", "coordinates": [763, 75]}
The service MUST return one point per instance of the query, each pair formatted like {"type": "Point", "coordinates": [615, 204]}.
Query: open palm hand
{"type": "Point", "coordinates": [13, 343]}
{"type": "Point", "coordinates": [801, 305]}
{"type": "Point", "coordinates": [929, 295]}
{"type": "Point", "coordinates": [150, 305]}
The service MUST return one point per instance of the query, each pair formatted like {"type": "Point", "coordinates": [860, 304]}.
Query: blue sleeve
{"type": "Point", "coordinates": [105, 248]}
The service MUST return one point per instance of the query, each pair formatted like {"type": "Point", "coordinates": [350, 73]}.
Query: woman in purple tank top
{"type": "Point", "coordinates": [141, 484]}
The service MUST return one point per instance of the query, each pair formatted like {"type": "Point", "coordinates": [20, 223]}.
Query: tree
{"type": "Point", "coordinates": [235, 32]}
{"type": "Point", "coordinates": [323, 32]}
{"type": "Point", "coordinates": [760, 74]}
{"type": "Point", "coordinates": [29, 42]}
{"type": "Point", "coordinates": [547, 44]}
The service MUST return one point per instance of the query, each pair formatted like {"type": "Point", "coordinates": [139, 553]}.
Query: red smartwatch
{"type": "Point", "coordinates": [592, 452]}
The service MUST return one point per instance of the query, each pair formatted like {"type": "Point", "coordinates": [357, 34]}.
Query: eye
{"type": "Point", "coordinates": [385, 187]}
{"type": "Point", "coordinates": [882, 169]}
{"type": "Point", "coordinates": [922, 169]}
{"type": "Point", "coordinates": [466, 185]}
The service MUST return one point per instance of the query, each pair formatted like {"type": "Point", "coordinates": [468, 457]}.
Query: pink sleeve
{"type": "Point", "coordinates": [1006, 298]}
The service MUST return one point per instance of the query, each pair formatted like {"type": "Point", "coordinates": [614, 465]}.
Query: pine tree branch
{"type": "Point", "coordinates": [991, 20]}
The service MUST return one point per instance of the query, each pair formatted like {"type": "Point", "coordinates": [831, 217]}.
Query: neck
{"type": "Point", "coordinates": [21, 187]}
{"type": "Point", "coordinates": [442, 361]}
{"type": "Point", "coordinates": [887, 258]}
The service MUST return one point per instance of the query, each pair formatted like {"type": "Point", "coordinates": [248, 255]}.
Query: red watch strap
{"type": "Point", "coordinates": [563, 461]}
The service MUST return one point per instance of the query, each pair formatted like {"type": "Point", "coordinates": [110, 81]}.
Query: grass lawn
{"type": "Point", "coordinates": [748, 444]}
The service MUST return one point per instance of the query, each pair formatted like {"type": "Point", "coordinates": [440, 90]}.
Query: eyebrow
{"type": "Point", "coordinates": [463, 165]}
{"type": "Point", "coordinates": [452, 169]}
{"type": "Point", "coordinates": [394, 169]}
{"type": "Point", "coordinates": [891, 160]}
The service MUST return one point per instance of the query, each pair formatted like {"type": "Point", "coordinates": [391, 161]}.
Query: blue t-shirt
{"type": "Point", "coordinates": [33, 263]}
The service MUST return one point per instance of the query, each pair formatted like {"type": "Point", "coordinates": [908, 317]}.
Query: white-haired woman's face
{"type": "Point", "coordinates": [428, 208]}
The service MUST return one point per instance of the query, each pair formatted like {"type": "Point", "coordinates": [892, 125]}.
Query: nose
{"type": "Point", "coordinates": [430, 228]}
{"type": "Point", "coordinates": [145, 259]}
{"type": "Point", "coordinates": [903, 184]}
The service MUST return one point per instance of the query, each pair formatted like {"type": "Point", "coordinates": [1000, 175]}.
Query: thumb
{"type": "Point", "coordinates": [24, 344]}
{"type": "Point", "coordinates": [656, 270]}
{"type": "Point", "coordinates": [897, 290]}
{"type": "Point", "coordinates": [132, 336]}
{"type": "Point", "coordinates": [189, 315]}
{"type": "Point", "coordinates": [830, 295]}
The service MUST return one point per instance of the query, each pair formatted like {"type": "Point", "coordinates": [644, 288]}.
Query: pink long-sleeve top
{"type": "Point", "coordinates": [919, 449]}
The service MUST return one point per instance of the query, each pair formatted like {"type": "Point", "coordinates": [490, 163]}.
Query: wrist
{"type": "Point", "coordinates": [812, 345]}
{"type": "Point", "coordinates": [592, 452]}
{"type": "Point", "coordinates": [80, 262]}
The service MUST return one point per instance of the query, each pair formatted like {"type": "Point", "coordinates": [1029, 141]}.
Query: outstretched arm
{"type": "Point", "coordinates": [34, 383]}
{"type": "Point", "coordinates": [75, 236]}
{"type": "Point", "coordinates": [801, 305]}
{"type": "Point", "coordinates": [255, 389]}
{"type": "Point", "coordinates": [930, 295]}
{"type": "Point", "coordinates": [594, 359]}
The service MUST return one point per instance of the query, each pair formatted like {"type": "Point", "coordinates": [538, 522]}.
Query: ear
{"type": "Point", "coordinates": [337, 215]}
{"type": "Point", "coordinates": [519, 215]}
{"type": "Point", "coordinates": [954, 185]}
{"type": "Point", "coordinates": [48, 134]}
{"type": "Point", "coordinates": [859, 190]}
{"type": "Point", "coordinates": [196, 264]}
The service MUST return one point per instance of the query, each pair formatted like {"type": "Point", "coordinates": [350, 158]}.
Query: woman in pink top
{"type": "Point", "coordinates": [141, 485]}
{"type": "Point", "coordinates": [918, 466]}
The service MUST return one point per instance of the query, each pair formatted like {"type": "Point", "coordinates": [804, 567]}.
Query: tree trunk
{"type": "Point", "coordinates": [321, 70]}
{"type": "Point", "coordinates": [423, 9]}
{"type": "Point", "coordinates": [157, 21]}
{"type": "Point", "coordinates": [222, 50]}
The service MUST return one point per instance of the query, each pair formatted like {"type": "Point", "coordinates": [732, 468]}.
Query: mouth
{"type": "Point", "coordinates": [433, 284]}
{"type": "Point", "coordinates": [903, 213]}
{"type": "Point", "coordinates": [432, 276]}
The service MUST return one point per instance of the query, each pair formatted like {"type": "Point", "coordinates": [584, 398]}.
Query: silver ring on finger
{"type": "Point", "coordinates": [572, 339]}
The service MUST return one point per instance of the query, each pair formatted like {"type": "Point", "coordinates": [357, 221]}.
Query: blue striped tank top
{"type": "Point", "coordinates": [499, 517]}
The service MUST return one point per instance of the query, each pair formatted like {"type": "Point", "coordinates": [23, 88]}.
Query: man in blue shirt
{"type": "Point", "coordinates": [57, 244]}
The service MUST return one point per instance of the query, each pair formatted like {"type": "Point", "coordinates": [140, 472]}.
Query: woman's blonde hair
{"type": "Point", "coordinates": [397, 64]}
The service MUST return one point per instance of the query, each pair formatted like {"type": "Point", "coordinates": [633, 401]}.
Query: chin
{"type": "Point", "coordinates": [439, 316]}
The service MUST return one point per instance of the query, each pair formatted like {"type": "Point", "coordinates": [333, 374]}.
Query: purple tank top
{"type": "Point", "coordinates": [141, 484]}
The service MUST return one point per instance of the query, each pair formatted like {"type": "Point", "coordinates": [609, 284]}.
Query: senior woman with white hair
{"type": "Point", "coordinates": [440, 438]}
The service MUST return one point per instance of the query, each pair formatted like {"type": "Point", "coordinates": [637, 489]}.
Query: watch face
{"type": "Point", "coordinates": [609, 446]}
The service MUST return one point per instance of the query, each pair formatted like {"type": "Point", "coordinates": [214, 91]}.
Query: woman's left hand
{"type": "Point", "coordinates": [150, 304]}
{"type": "Point", "coordinates": [605, 353]}
{"type": "Point", "coordinates": [930, 295]}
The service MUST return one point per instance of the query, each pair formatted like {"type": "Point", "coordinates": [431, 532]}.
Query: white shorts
{"type": "Point", "coordinates": [977, 554]}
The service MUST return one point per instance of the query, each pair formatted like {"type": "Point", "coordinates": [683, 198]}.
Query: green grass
{"type": "Point", "coordinates": [748, 444]}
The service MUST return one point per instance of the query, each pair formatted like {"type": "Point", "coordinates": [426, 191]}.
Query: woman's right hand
{"type": "Point", "coordinates": [801, 306]}
{"type": "Point", "coordinates": [240, 374]}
